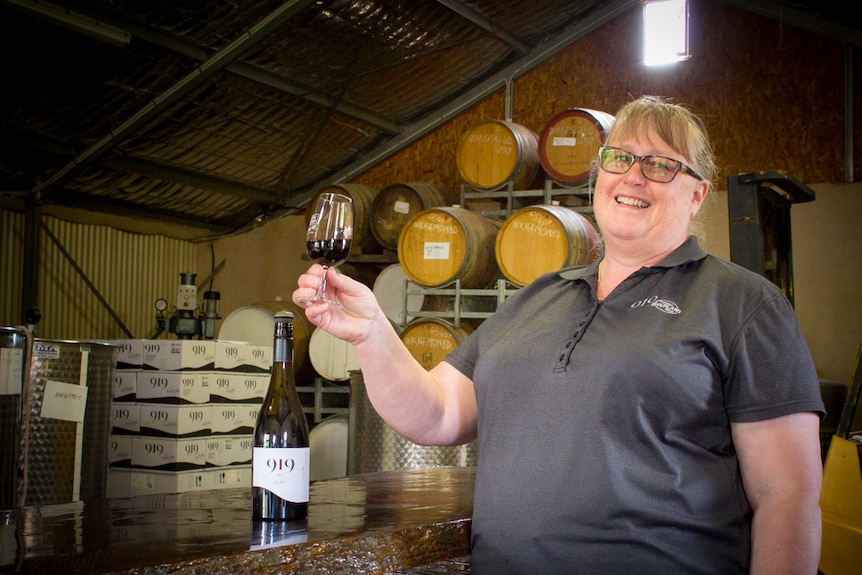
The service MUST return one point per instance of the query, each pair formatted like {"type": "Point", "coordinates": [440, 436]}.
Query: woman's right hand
{"type": "Point", "coordinates": [354, 319]}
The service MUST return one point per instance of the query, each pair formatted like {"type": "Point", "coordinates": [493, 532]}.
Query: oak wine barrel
{"type": "Point", "coordinates": [493, 153]}
{"type": "Point", "coordinates": [570, 141]}
{"type": "Point", "coordinates": [439, 245]}
{"type": "Point", "coordinates": [543, 238]}
{"type": "Point", "coordinates": [254, 324]}
{"type": "Point", "coordinates": [396, 204]}
{"type": "Point", "coordinates": [429, 340]}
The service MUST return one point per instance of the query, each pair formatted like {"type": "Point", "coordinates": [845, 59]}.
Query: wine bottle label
{"type": "Point", "coordinates": [284, 471]}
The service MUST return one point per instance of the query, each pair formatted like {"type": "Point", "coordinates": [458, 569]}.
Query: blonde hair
{"type": "Point", "coordinates": [677, 126]}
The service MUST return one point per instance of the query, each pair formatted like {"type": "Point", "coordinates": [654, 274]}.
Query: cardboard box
{"type": "Point", "coordinates": [131, 353]}
{"type": "Point", "coordinates": [125, 419]}
{"type": "Point", "coordinates": [185, 355]}
{"type": "Point", "coordinates": [231, 477]}
{"type": "Point", "coordinates": [177, 421]}
{"type": "Point", "coordinates": [164, 454]}
{"type": "Point", "coordinates": [233, 387]}
{"type": "Point", "coordinates": [234, 418]}
{"type": "Point", "coordinates": [243, 357]}
{"type": "Point", "coordinates": [173, 387]}
{"type": "Point", "coordinates": [144, 482]}
{"type": "Point", "coordinates": [229, 450]}
{"type": "Point", "coordinates": [120, 451]}
{"type": "Point", "coordinates": [125, 384]}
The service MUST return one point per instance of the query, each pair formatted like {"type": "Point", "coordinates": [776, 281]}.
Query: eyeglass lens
{"type": "Point", "coordinates": [657, 168]}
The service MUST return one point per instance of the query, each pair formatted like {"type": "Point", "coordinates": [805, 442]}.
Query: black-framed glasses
{"type": "Point", "coordinates": [655, 168]}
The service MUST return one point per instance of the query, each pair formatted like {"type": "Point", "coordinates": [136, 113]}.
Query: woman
{"type": "Point", "coordinates": [654, 412]}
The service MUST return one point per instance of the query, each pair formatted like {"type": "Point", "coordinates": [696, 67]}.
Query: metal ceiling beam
{"type": "Point", "coordinates": [190, 178]}
{"type": "Point", "coordinates": [607, 12]}
{"type": "Point", "coordinates": [801, 19]}
{"type": "Point", "coordinates": [486, 24]}
{"type": "Point", "coordinates": [81, 201]}
{"type": "Point", "coordinates": [173, 174]}
{"type": "Point", "coordinates": [217, 62]}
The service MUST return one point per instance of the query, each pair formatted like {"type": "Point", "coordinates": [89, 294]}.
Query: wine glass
{"type": "Point", "coordinates": [327, 240]}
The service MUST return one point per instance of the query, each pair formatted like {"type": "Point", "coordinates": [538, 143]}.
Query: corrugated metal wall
{"type": "Point", "coordinates": [130, 271]}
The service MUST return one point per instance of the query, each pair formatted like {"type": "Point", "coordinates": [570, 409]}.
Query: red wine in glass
{"type": "Point", "coordinates": [328, 253]}
{"type": "Point", "coordinates": [327, 240]}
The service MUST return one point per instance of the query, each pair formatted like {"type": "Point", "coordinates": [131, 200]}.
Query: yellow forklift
{"type": "Point", "coordinates": [841, 497]}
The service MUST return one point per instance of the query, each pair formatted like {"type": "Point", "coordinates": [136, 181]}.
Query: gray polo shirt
{"type": "Point", "coordinates": [604, 428]}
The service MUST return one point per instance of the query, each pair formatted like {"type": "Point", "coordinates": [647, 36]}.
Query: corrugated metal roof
{"type": "Point", "coordinates": [211, 113]}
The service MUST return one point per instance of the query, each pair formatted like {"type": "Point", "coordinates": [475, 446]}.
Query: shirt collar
{"type": "Point", "coordinates": [689, 251]}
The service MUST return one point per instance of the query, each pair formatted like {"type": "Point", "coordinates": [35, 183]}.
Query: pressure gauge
{"type": "Point", "coordinates": [161, 304]}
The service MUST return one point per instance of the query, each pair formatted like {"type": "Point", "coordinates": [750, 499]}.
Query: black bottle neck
{"type": "Point", "coordinates": [282, 350]}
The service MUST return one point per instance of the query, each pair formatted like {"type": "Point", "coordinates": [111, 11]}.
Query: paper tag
{"type": "Point", "coordinates": [401, 208]}
{"type": "Point", "coordinates": [568, 142]}
{"type": "Point", "coordinates": [64, 401]}
{"type": "Point", "coordinates": [436, 250]}
{"type": "Point", "coordinates": [11, 371]}
{"type": "Point", "coordinates": [44, 350]}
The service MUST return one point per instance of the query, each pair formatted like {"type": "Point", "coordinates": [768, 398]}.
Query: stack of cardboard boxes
{"type": "Point", "coordinates": [184, 414]}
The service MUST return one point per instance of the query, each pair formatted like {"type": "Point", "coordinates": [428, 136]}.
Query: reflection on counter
{"type": "Point", "coordinates": [371, 523]}
{"type": "Point", "coordinates": [268, 534]}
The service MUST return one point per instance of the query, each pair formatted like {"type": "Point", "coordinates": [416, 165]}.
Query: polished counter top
{"type": "Point", "coordinates": [371, 523]}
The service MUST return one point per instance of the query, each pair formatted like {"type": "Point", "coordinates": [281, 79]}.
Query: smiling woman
{"type": "Point", "coordinates": [655, 369]}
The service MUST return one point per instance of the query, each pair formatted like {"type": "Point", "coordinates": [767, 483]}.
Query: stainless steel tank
{"type": "Point", "coordinates": [14, 346]}
{"type": "Point", "coordinates": [374, 446]}
{"type": "Point", "coordinates": [66, 422]}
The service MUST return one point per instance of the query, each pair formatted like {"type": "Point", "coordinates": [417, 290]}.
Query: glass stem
{"type": "Point", "coordinates": [322, 290]}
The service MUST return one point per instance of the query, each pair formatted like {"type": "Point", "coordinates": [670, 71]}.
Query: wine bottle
{"type": "Point", "coordinates": [280, 460]}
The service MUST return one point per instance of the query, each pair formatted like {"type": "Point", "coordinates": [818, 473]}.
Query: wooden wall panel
{"type": "Point", "coordinates": [771, 95]}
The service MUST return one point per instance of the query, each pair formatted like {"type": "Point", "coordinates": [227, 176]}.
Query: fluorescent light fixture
{"type": "Point", "coordinates": [665, 32]}
{"type": "Point", "coordinates": [87, 25]}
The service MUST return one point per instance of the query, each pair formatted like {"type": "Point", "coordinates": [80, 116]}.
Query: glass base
{"type": "Point", "coordinates": [319, 299]}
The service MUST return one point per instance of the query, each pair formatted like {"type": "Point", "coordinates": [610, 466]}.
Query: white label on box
{"type": "Point", "coordinates": [11, 370]}
{"type": "Point", "coordinates": [436, 250]}
{"type": "Point", "coordinates": [64, 401]}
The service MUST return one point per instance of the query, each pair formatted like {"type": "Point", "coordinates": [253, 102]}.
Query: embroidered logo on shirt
{"type": "Point", "coordinates": [663, 305]}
